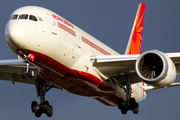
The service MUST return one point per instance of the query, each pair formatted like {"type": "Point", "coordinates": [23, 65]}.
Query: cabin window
{"type": "Point", "coordinates": [14, 17]}
{"type": "Point", "coordinates": [33, 18]}
{"type": "Point", "coordinates": [23, 16]}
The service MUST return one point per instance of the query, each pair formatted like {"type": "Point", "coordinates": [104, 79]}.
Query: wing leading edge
{"type": "Point", "coordinates": [112, 65]}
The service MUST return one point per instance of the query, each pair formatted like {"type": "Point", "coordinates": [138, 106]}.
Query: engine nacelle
{"type": "Point", "coordinates": [156, 69]}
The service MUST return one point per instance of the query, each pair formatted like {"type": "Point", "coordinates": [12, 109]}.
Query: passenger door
{"type": "Point", "coordinates": [52, 23]}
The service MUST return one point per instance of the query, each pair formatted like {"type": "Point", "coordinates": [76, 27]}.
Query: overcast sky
{"type": "Point", "coordinates": [110, 21]}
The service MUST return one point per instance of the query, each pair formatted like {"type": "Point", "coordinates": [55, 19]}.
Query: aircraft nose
{"type": "Point", "coordinates": [15, 32]}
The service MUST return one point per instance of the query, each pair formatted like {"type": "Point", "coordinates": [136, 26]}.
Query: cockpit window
{"type": "Point", "coordinates": [23, 16]}
{"type": "Point", "coordinates": [14, 17]}
{"type": "Point", "coordinates": [33, 18]}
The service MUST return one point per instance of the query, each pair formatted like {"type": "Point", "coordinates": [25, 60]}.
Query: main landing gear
{"type": "Point", "coordinates": [124, 106]}
{"type": "Point", "coordinates": [42, 87]}
{"type": "Point", "coordinates": [130, 103]}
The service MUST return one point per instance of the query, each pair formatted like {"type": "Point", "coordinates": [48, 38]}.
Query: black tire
{"type": "Point", "coordinates": [31, 73]}
{"type": "Point", "coordinates": [24, 73]}
{"type": "Point", "coordinates": [50, 111]}
{"type": "Point", "coordinates": [45, 106]}
{"type": "Point", "coordinates": [132, 102]}
{"type": "Point", "coordinates": [120, 103]}
{"type": "Point", "coordinates": [45, 103]}
{"type": "Point", "coordinates": [136, 108]}
{"type": "Point", "coordinates": [38, 114]}
{"type": "Point", "coordinates": [34, 107]}
{"type": "Point", "coordinates": [124, 110]}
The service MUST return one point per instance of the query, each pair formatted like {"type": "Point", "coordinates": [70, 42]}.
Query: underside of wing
{"type": "Point", "coordinates": [115, 64]}
{"type": "Point", "coordinates": [120, 65]}
{"type": "Point", "coordinates": [175, 57]}
{"type": "Point", "coordinates": [11, 70]}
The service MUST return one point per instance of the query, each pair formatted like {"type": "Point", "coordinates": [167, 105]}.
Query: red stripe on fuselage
{"type": "Point", "coordinates": [70, 79]}
{"type": "Point", "coordinates": [95, 46]}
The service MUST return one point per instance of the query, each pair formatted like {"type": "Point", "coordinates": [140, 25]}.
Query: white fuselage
{"type": "Point", "coordinates": [62, 53]}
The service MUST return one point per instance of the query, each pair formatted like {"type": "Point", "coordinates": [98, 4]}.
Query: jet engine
{"type": "Point", "coordinates": [156, 68]}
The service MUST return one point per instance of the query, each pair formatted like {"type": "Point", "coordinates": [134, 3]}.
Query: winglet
{"type": "Point", "coordinates": [135, 39]}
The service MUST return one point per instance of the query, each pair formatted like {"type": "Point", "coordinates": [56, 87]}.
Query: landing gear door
{"type": "Point", "coordinates": [52, 23]}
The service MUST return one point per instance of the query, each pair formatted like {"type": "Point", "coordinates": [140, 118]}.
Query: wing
{"type": "Point", "coordinates": [109, 66]}
{"type": "Point", "coordinates": [11, 70]}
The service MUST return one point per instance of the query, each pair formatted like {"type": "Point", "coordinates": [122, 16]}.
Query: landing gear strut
{"type": "Point", "coordinates": [130, 103]}
{"type": "Point", "coordinates": [42, 87]}
{"type": "Point", "coordinates": [28, 71]}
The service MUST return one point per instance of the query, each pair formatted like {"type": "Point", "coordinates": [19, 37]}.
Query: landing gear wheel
{"type": "Point", "coordinates": [34, 107]}
{"type": "Point", "coordinates": [24, 73]}
{"type": "Point", "coordinates": [132, 102]}
{"type": "Point", "coordinates": [31, 73]}
{"type": "Point", "coordinates": [124, 110]}
{"type": "Point", "coordinates": [121, 106]}
{"type": "Point", "coordinates": [45, 102]}
{"type": "Point", "coordinates": [45, 106]}
{"type": "Point", "coordinates": [120, 103]}
{"type": "Point", "coordinates": [50, 111]}
{"type": "Point", "coordinates": [136, 108]}
{"type": "Point", "coordinates": [38, 114]}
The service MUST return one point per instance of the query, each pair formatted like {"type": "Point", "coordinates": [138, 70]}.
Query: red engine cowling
{"type": "Point", "coordinates": [156, 68]}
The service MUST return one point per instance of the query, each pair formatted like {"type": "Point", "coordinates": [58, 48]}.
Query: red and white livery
{"type": "Point", "coordinates": [54, 53]}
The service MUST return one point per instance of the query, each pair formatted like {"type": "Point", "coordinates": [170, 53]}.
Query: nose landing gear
{"type": "Point", "coordinates": [27, 71]}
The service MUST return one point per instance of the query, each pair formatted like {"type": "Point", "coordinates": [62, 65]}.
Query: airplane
{"type": "Point", "coordinates": [54, 53]}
